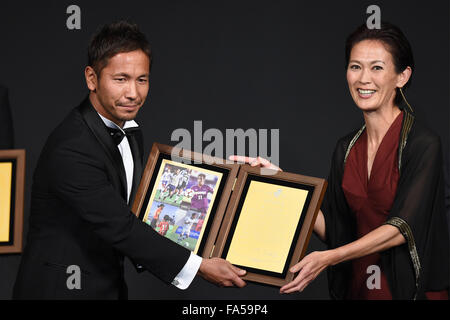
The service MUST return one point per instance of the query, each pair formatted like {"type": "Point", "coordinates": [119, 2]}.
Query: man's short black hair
{"type": "Point", "coordinates": [114, 38]}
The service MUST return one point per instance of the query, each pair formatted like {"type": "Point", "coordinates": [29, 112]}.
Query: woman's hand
{"type": "Point", "coordinates": [378, 240]}
{"type": "Point", "coordinates": [255, 162]}
{"type": "Point", "coordinates": [309, 268]}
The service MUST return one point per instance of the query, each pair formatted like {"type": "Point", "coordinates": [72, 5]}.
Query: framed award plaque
{"type": "Point", "coordinates": [12, 180]}
{"type": "Point", "coordinates": [268, 223]}
{"type": "Point", "coordinates": [258, 220]}
{"type": "Point", "coordinates": [183, 196]}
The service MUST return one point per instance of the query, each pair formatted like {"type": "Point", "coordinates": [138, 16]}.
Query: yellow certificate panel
{"type": "Point", "coordinates": [266, 226]}
{"type": "Point", "coordinates": [5, 199]}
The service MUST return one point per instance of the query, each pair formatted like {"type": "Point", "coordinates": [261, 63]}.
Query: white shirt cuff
{"type": "Point", "coordinates": [187, 274]}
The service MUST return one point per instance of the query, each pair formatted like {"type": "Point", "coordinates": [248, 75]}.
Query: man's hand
{"type": "Point", "coordinates": [221, 273]}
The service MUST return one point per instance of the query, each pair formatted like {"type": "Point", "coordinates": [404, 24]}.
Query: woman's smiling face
{"type": "Point", "coordinates": [372, 77]}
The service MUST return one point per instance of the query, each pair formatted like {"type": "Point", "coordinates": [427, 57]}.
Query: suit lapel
{"type": "Point", "coordinates": [136, 146]}
{"type": "Point", "coordinates": [97, 127]}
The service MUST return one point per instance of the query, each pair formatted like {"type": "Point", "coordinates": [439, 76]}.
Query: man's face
{"type": "Point", "coordinates": [201, 180]}
{"type": "Point", "coordinates": [122, 87]}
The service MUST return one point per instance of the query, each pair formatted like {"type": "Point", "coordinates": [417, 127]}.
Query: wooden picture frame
{"type": "Point", "coordinates": [173, 158]}
{"type": "Point", "coordinates": [252, 251]}
{"type": "Point", "coordinates": [12, 182]}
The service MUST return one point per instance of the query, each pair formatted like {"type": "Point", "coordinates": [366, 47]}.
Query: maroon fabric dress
{"type": "Point", "coordinates": [371, 200]}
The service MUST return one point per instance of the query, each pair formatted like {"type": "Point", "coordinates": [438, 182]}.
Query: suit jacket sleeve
{"type": "Point", "coordinates": [81, 181]}
{"type": "Point", "coordinates": [6, 125]}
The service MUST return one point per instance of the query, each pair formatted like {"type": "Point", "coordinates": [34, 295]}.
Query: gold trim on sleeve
{"type": "Point", "coordinates": [407, 233]}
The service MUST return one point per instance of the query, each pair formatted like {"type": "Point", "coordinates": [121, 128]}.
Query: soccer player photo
{"type": "Point", "coordinates": [181, 202]}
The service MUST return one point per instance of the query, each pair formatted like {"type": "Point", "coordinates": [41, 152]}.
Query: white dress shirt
{"type": "Point", "coordinates": [190, 269]}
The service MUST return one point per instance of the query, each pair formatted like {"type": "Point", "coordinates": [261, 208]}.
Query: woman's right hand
{"type": "Point", "coordinates": [255, 162]}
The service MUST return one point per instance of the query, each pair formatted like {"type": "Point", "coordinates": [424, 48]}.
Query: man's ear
{"type": "Point", "coordinates": [91, 78]}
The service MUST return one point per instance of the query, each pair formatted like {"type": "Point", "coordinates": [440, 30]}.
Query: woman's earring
{"type": "Point", "coordinates": [406, 101]}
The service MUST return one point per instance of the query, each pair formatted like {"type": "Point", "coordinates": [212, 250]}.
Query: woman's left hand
{"type": "Point", "coordinates": [309, 268]}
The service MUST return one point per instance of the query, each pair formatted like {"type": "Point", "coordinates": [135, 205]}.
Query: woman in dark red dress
{"type": "Point", "coordinates": [383, 215]}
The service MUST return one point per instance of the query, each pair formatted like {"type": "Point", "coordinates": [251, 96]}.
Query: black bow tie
{"type": "Point", "coordinates": [118, 135]}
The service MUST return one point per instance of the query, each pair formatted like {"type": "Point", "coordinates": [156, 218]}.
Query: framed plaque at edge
{"type": "Point", "coordinates": [12, 183]}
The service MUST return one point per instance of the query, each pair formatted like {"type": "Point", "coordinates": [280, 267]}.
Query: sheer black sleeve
{"type": "Point", "coordinates": [419, 213]}
{"type": "Point", "coordinates": [339, 224]}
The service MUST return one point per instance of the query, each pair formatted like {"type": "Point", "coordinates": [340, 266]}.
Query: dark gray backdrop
{"type": "Point", "coordinates": [231, 64]}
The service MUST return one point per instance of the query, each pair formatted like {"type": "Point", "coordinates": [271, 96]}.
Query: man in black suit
{"type": "Point", "coordinates": [6, 125]}
{"type": "Point", "coordinates": [85, 177]}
